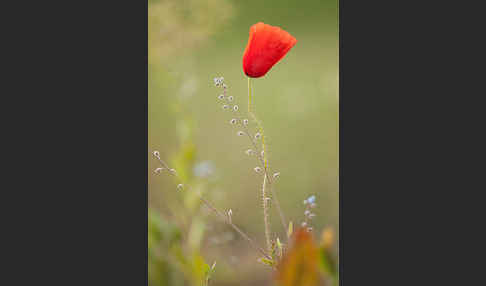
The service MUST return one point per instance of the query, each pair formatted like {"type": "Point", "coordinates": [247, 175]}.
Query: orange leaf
{"type": "Point", "coordinates": [299, 266]}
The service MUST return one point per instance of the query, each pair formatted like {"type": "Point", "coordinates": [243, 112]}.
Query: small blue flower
{"type": "Point", "coordinates": [204, 169]}
{"type": "Point", "coordinates": [311, 199]}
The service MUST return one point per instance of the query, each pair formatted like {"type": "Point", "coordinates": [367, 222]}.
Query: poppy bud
{"type": "Point", "coordinates": [266, 46]}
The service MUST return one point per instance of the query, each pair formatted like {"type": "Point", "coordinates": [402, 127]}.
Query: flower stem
{"type": "Point", "coordinates": [265, 165]}
{"type": "Point", "coordinates": [264, 196]}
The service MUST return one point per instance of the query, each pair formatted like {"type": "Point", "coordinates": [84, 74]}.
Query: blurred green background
{"type": "Point", "coordinates": [190, 43]}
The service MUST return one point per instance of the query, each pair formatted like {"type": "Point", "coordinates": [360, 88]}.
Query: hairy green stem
{"type": "Point", "coordinates": [264, 196]}
{"type": "Point", "coordinates": [265, 160]}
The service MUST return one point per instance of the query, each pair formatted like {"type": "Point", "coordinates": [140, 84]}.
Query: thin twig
{"type": "Point", "coordinates": [218, 213]}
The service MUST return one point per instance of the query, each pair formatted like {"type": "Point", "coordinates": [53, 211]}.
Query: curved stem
{"type": "Point", "coordinates": [264, 196]}
{"type": "Point", "coordinates": [265, 160]}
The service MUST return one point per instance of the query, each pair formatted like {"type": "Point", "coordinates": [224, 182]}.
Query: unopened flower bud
{"type": "Point", "coordinates": [230, 213]}
{"type": "Point", "coordinates": [257, 169]}
{"type": "Point", "coordinates": [233, 121]}
{"type": "Point", "coordinates": [172, 171]}
{"type": "Point", "coordinates": [158, 170]}
{"type": "Point", "coordinates": [225, 106]}
{"type": "Point", "coordinates": [249, 152]}
{"type": "Point", "coordinates": [180, 187]}
{"type": "Point", "coordinates": [240, 133]}
{"type": "Point", "coordinates": [245, 121]}
{"type": "Point", "coordinates": [257, 136]}
{"type": "Point", "coordinates": [235, 108]}
{"type": "Point", "coordinates": [218, 81]}
{"type": "Point", "coordinates": [221, 96]}
{"type": "Point", "coordinates": [156, 154]}
{"type": "Point", "coordinates": [230, 98]}
{"type": "Point", "coordinates": [276, 175]}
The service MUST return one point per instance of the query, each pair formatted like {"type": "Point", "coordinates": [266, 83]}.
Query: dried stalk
{"type": "Point", "coordinates": [218, 213]}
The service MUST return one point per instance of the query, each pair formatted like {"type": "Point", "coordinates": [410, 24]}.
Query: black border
{"type": "Point", "coordinates": [79, 202]}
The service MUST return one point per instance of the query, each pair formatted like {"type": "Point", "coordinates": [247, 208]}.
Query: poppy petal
{"type": "Point", "coordinates": [266, 46]}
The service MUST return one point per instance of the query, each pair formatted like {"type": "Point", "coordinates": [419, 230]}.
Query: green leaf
{"type": "Point", "coordinates": [207, 270]}
{"type": "Point", "coordinates": [290, 230]}
{"type": "Point", "coordinates": [327, 263]}
{"type": "Point", "coordinates": [280, 247]}
{"type": "Point", "coordinates": [266, 261]}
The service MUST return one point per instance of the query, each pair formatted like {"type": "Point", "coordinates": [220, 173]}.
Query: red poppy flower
{"type": "Point", "coordinates": [266, 46]}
